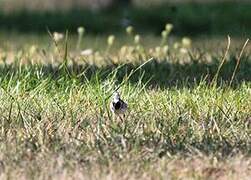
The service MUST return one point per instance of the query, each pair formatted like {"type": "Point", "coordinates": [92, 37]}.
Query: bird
{"type": "Point", "coordinates": [117, 105]}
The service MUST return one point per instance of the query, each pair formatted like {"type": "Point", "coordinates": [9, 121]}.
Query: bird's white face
{"type": "Point", "coordinates": [116, 97]}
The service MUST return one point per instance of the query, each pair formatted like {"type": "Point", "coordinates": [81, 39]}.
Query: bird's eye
{"type": "Point", "coordinates": [117, 105]}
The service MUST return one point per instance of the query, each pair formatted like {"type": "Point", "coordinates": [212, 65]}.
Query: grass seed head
{"type": "Point", "coordinates": [169, 27]}
{"type": "Point", "coordinates": [129, 30]}
{"type": "Point", "coordinates": [58, 36]}
{"type": "Point", "coordinates": [164, 34]}
{"type": "Point", "coordinates": [186, 42]}
{"type": "Point", "coordinates": [110, 40]}
{"type": "Point", "coordinates": [81, 30]}
{"type": "Point", "coordinates": [137, 39]}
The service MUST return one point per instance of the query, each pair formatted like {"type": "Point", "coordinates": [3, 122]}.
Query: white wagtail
{"type": "Point", "coordinates": [118, 106]}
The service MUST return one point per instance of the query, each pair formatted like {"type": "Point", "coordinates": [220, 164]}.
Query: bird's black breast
{"type": "Point", "coordinates": [117, 105]}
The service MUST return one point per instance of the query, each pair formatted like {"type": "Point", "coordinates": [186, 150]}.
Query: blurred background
{"type": "Point", "coordinates": [189, 17]}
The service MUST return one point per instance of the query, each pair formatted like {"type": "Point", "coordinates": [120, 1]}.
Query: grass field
{"type": "Point", "coordinates": [186, 118]}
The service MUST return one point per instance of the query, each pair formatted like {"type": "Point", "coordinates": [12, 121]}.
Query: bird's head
{"type": "Point", "coordinates": [116, 96]}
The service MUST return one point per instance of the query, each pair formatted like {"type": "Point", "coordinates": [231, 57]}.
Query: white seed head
{"type": "Point", "coordinates": [186, 42]}
{"type": "Point", "coordinates": [110, 40]}
{"type": "Point", "coordinates": [58, 36]}
{"type": "Point", "coordinates": [81, 30]}
{"type": "Point", "coordinates": [137, 39]}
{"type": "Point", "coordinates": [164, 34]}
{"type": "Point", "coordinates": [87, 52]}
{"type": "Point", "coordinates": [129, 30]}
{"type": "Point", "coordinates": [169, 27]}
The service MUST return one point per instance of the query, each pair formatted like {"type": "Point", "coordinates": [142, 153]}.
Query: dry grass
{"type": "Point", "coordinates": [55, 123]}
{"type": "Point", "coordinates": [196, 167]}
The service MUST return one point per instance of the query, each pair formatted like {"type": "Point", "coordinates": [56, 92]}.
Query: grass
{"type": "Point", "coordinates": [55, 120]}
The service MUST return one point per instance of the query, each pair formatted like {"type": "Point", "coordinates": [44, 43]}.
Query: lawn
{"type": "Point", "coordinates": [186, 117]}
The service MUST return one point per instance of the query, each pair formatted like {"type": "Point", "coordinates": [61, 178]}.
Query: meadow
{"type": "Point", "coordinates": [189, 100]}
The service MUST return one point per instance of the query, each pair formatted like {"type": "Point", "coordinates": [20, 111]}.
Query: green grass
{"type": "Point", "coordinates": [55, 120]}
